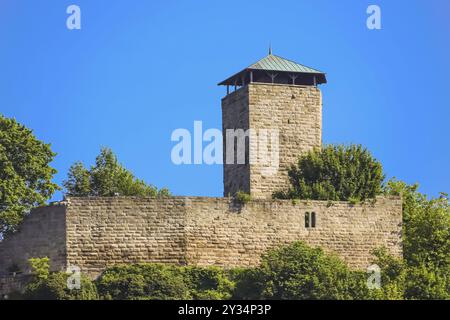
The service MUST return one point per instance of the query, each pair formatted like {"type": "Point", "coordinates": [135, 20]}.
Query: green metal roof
{"type": "Point", "coordinates": [277, 63]}
{"type": "Point", "coordinates": [273, 63]}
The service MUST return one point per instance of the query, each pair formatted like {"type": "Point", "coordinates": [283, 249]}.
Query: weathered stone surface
{"type": "Point", "coordinates": [94, 233]}
{"type": "Point", "coordinates": [42, 234]}
{"type": "Point", "coordinates": [295, 111]}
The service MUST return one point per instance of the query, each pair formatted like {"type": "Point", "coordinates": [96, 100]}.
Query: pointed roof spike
{"type": "Point", "coordinates": [270, 48]}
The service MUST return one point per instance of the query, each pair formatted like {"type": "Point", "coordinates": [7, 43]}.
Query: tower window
{"type": "Point", "coordinates": [310, 219]}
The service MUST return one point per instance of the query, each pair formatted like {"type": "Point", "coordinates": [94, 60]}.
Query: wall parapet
{"type": "Point", "coordinates": [95, 232]}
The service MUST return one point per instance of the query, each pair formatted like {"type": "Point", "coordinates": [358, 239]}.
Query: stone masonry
{"type": "Point", "coordinates": [94, 233]}
{"type": "Point", "coordinates": [294, 111]}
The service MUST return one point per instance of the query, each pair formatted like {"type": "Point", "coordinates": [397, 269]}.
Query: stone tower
{"type": "Point", "coordinates": [275, 111]}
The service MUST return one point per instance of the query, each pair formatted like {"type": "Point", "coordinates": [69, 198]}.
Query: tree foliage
{"type": "Point", "coordinates": [208, 283]}
{"type": "Point", "coordinates": [142, 282]}
{"type": "Point", "coordinates": [426, 242]}
{"type": "Point", "coordinates": [149, 281]}
{"type": "Point", "coordinates": [337, 173]}
{"type": "Point", "coordinates": [46, 285]}
{"type": "Point", "coordinates": [107, 178]}
{"type": "Point", "coordinates": [25, 173]}
{"type": "Point", "coordinates": [298, 271]}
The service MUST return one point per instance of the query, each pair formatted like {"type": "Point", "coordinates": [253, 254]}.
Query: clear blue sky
{"type": "Point", "coordinates": [140, 69]}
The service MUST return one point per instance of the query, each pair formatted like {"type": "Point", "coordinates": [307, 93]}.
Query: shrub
{"type": "Point", "coordinates": [55, 288]}
{"type": "Point", "coordinates": [393, 273]}
{"type": "Point", "coordinates": [298, 271]}
{"type": "Point", "coordinates": [40, 267]}
{"type": "Point", "coordinates": [242, 197]}
{"type": "Point", "coordinates": [47, 285]}
{"type": "Point", "coordinates": [337, 173]}
{"type": "Point", "coordinates": [208, 283]}
{"type": "Point", "coordinates": [143, 282]}
{"type": "Point", "coordinates": [249, 283]}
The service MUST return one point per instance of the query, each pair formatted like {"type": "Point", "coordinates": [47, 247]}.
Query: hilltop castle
{"type": "Point", "coordinates": [274, 93]}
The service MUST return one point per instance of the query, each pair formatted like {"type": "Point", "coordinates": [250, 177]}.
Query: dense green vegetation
{"type": "Point", "coordinates": [425, 269]}
{"type": "Point", "coordinates": [335, 173]}
{"type": "Point", "coordinates": [46, 285]}
{"type": "Point", "coordinates": [107, 178]}
{"type": "Point", "coordinates": [25, 173]}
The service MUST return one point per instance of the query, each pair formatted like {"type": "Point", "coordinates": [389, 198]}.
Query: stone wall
{"type": "Point", "coordinates": [235, 115]}
{"type": "Point", "coordinates": [108, 231]}
{"type": "Point", "coordinates": [294, 111]}
{"type": "Point", "coordinates": [94, 233]}
{"type": "Point", "coordinates": [42, 234]}
{"type": "Point", "coordinates": [12, 284]}
{"type": "Point", "coordinates": [222, 233]}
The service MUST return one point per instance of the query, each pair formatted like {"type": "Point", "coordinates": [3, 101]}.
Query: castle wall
{"type": "Point", "coordinates": [107, 231]}
{"type": "Point", "coordinates": [235, 115]}
{"type": "Point", "coordinates": [100, 232]}
{"type": "Point", "coordinates": [217, 231]}
{"type": "Point", "coordinates": [41, 234]}
{"type": "Point", "coordinates": [225, 234]}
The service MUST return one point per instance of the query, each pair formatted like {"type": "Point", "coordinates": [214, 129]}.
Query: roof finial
{"type": "Point", "coordinates": [270, 48]}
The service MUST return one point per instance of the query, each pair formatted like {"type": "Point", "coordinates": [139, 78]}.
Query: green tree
{"type": "Point", "coordinates": [426, 242]}
{"type": "Point", "coordinates": [25, 173]}
{"type": "Point", "coordinates": [335, 173]}
{"type": "Point", "coordinates": [107, 178]}
{"type": "Point", "coordinates": [298, 272]}
{"type": "Point", "coordinates": [393, 275]}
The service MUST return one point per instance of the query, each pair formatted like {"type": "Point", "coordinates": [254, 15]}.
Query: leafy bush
{"type": "Point", "coordinates": [40, 267]}
{"type": "Point", "coordinates": [143, 282]}
{"type": "Point", "coordinates": [335, 173]}
{"type": "Point", "coordinates": [393, 274]}
{"type": "Point", "coordinates": [249, 283]}
{"type": "Point", "coordinates": [47, 285]}
{"type": "Point", "coordinates": [298, 272]}
{"type": "Point", "coordinates": [55, 288]}
{"type": "Point", "coordinates": [162, 282]}
{"type": "Point", "coordinates": [208, 283]}
{"type": "Point", "coordinates": [242, 197]}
